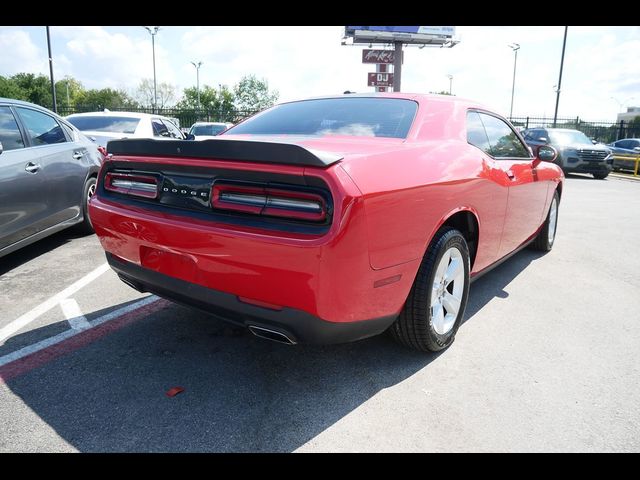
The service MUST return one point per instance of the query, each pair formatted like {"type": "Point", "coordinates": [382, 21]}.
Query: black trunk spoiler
{"type": "Point", "coordinates": [222, 149]}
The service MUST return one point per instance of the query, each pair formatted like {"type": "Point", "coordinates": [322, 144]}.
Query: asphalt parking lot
{"type": "Point", "coordinates": [546, 360]}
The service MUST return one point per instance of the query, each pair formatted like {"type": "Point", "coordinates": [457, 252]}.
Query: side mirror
{"type": "Point", "coordinates": [546, 153]}
{"type": "Point", "coordinates": [637, 149]}
{"type": "Point", "coordinates": [1, 148]}
{"type": "Point", "coordinates": [190, 136]}
{"type": "Point", "coordinates": [543, 139]}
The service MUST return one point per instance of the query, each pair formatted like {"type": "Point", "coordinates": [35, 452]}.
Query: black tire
{"type": "Point", "coordinates": [414, 327]}
{"type": "Point", "coordinates": [600, 176]}
{"type": "Point", "coordinates": [85, 226]}
{"type": "Point", "coordinates": [542, 241]}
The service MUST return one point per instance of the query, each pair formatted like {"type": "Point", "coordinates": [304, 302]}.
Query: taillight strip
{"type": "Point", "coordinates": [138, 185]}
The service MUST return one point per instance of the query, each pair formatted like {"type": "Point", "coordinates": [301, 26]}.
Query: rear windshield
{"type": "Point", "coordinates": [362, 117]}
{"type": "Point", "coordinates": [105, 124]}
{"type": "Point", "coordinates": [207, 129]}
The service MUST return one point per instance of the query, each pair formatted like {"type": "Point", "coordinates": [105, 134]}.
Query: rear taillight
{"type": "Point", "coordinates": [132, 184]}
{"type": "Point", "coordinates": [274, 202]}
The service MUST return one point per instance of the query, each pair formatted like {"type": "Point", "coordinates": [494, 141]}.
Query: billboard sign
{"type": "Point", "coordinates": [424, 35]}
{"type": "Point", "coordinates": [375, 79]}
{"type": "Point", "coordinates": [378, 56]}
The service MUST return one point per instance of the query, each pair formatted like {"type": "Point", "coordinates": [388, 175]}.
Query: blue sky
{"type": "Point", "coordinates": [600, 62]}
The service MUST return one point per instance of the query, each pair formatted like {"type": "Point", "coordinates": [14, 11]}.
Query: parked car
{"type": "Point", "coordinates": [48, 172]}
{"type": "Point", "coordinates": [331, 219]}
{"type": "Point", "coordinates": [624, 152]}
{"type": "Point", "coordinates": [205, 130]}
{"type": "Point", "coordinates": [576, 152]}
{"type": "Point", "coordinates": [105, 126]}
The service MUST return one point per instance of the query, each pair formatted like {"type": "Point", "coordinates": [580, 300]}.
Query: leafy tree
{"type": "Point", "coordinates": [144, 93]}
{"type": "Point", "coordinates": [105, 98]}
{"type": "Point", "coordinates": [71, 85]}
{"type": "Point", "coordinates": [35, 89]}
{"type": "Point", "coordinates": [215, 103]}
{"type": "Point", "coordinates": [10, 89]}
{"type": "Point", "coordinates": [253, 94]}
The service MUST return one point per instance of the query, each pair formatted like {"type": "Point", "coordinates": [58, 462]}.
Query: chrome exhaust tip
{"type": "Point", "coordinates": [269, 334]}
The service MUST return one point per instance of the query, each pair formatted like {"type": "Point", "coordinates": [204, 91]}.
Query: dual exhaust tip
{"type": "Point", "coordinates": [272, 335]}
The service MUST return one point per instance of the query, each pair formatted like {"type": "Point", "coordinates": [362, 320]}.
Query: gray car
{"type": "Point", "coordinates": [48, 171]}
{"type": "Point", "coordinates": [576, 152]}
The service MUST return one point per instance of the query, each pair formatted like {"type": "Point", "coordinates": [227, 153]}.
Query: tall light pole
{"type": "Point", "coordinates": [621, 104]}
{"type": "Point", "coordinates": [515, 47]}
{"type": "Point", "coordinates": [564, 44]}
{"type": "Point", "coordinates": [197, 65]}
{"type": "Point", "coordinates": [450, 82]}
{"type": "Point", "coordinates": [153, 31]}
{"type": "Point", "coordinates": [53, 84]}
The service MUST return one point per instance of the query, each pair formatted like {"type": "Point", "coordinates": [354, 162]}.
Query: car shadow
{"type": "Point", "coordinates": [241, 393]}
{"type": "Point", "coordinates": [34, 250]}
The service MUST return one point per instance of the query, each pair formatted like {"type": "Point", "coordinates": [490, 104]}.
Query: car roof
{"type": "Point", "coordinates": [420, 97]}
{"type": "Point", "coordinates": [26, 104]}
{"type": "Point", "coordinates": [109, 113]}
{"type": "Point", "coordinates": [197, 124]}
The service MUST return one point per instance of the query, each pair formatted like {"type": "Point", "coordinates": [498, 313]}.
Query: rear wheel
{"type": "Point", "coordinates": [600, 176]}
{"type": "Point", "coordinates": [435, 306]}
{"type": "Point", "coordinates": [89, 190]}
{"type": "Point", "coordinates": [546, 237]}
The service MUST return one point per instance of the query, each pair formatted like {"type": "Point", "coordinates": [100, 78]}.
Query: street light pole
{"type": "Point", "coordinates": [564, 44]}
{"type": "Point", "coordinates": [153, 31]}
{"type": "Point", "coordinates": [53, 84]}
{"type": "Point", "coordinates": [515, 47]}
{"type": "Point", "coordinates": [197, 65]}
{"type": "Point", "coordinates": [450, 82]}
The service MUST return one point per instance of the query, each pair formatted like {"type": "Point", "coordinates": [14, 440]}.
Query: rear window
{"type": "Point", "coordinates": [362, 117]}
{"type": "Point", "coordinates": [105, 124]}
{"type": "Point", "coordinates": [207, 129]}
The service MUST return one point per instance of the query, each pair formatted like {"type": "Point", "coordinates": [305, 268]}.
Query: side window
{"type": "Point", "coordinates": [625, 144]}
{"type": "Point", "coordinates": [43, 129]}
{"type": "Point", "coordinates": [10, 135]}
{"type": "Point", "coordinates": [503, 140]}
{"type": "Point", "coordinates": [476, 134]}
{"type": "Point", "coordinates": [159, 128]}
{"type": "Point", "coordinates": [70, 133]}
{"type": "Point", "coordinates": [173, 130]}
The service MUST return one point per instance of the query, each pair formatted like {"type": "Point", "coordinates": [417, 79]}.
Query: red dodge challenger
{"type": "Point", "coordinates": [331, 219]}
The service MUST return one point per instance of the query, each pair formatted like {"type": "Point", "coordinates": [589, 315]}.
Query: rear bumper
{"type": "Point", "coordinates": [297, 325]}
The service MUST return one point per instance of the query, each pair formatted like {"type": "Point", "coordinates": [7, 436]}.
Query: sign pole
{"type": "Point", "coordinates": [397, 66]}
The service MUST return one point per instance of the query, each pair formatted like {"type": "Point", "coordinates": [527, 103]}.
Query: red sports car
{"type": "Point", "coordinates": [331, 219]}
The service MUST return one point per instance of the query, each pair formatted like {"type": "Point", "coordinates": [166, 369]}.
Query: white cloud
{"type": "Point", "coordinates": [19, 53]}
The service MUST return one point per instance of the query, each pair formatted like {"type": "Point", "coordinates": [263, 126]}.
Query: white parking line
{"type": "Point", "coordinates": [31, 315]}
{"type": "Point", "coordinates": [73, 314]}
{"type": "Point", "coordinates": [29, 349]}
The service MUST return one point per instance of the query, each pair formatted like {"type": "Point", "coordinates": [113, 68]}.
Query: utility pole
{"type": "Point", "coordinates": [53, 83]}
{"type": "Point", "coordinates": [450, 82]}
{"type": "Point", "coordinates": [564, 44]}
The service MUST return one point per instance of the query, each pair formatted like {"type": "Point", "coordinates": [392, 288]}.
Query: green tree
{"type": "Point", "coordinates": [10, 89]}
{"type": "Point", "coordinates": [253, 94]}
{"type": "Point", "coordinates": [71, 86]}
{"type": "Point", "coordinates": [218, 104]}
{"type": "Point", "coordinates": [144, 93]}
{"type": "Point", "coordinates": [106, 98]}
{"type": "Point", "coordinates": [35, 89]}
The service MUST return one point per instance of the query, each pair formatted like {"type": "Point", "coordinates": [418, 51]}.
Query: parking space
{"type": "Point", "coordinates": [546, 358]}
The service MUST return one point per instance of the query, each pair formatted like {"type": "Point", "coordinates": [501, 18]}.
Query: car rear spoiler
{"type": "Point", "coordinates": [223, 149]}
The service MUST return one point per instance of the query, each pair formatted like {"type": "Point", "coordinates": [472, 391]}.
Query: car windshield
{"type": "Point", "coordinates": [207, 129]}
{"type": "Point", "coordinates": [567, 137]}
{"type": "Point", "coordinates": [100, 123]}
{"type": "Point", "coordinates": [362, 117]}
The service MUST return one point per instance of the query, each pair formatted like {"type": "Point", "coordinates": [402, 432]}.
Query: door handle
{"type": "Point", "coordinates": [78, 155]}
{"type": "Point", "coordinates": [510, 174]}
{"type": "Point", "coordinates": [32, 167]}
